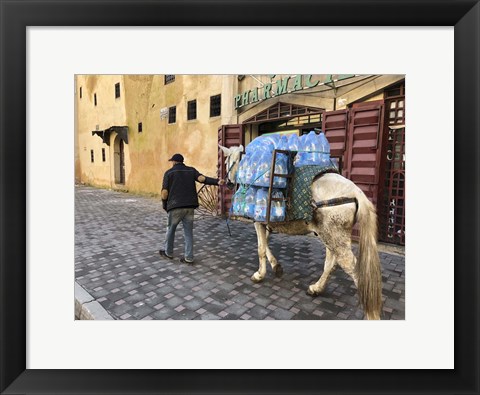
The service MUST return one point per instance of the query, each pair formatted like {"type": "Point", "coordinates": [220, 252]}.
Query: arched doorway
{"type": "Point", "coordinates": [119, 160]}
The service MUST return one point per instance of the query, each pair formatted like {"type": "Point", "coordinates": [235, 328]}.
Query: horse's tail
{"type": "Point", "coordinates": [368, 265]}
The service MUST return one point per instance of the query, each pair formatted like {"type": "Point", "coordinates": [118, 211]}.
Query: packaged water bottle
{"type": "Point", "coordinates": [324, 147]}
{"type": "Point", "coordinates": [249, 204]}
{"type": "Point", "coordinates": [270, 140]}
{"type": "Point", "coordinates": [250, 148]}
{"type": "Point", "coordinates": [277, 209]}
{"type": "Point", "coordinates": [283, 143]}
{"type": "Point", "coordinates": [261, 205]}
{"type": "Point", "coordinates": [263, 169]}
{"type": "Point", "coordinates": [293, 142]}
{"type": "Point", "coordinates": [241, 170]}
{"type": "Point", "coordinates": [293, 145]}
{"type": "Point", "coordinates": [238, 202]}
{"type": "Point", "coordinates": [251, 167]}
{"type": "Point", "coordinates": [312, 142]}
{"type": "Point", "coordinates": [300, 157]}
{"type": "Point", "coordinates": [260, 144]}
{"type": "Point", "coordinates": [310, 148]}
{"type": "Point", "coordinates": [281, 164]}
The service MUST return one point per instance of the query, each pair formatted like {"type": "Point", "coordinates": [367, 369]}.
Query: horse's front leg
{"type": "Point", "coordinates": [262, 253]}
{"type": "Point", "coordinates": [276, 267]}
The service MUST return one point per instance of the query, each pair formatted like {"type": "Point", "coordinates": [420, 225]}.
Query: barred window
{"type": "Point", "coordinates": [117, 90]}
{"type": "Point", "coordinates": [95, 99]}
{"type": "Point", "coordinates": [169, 78]}
{"type": "Point", "coordinates": [103, 155]}
{"type": "Point", "coordinates": [92, 156]}
{"type": "Point", "coordinates": [172, 114]}
{"type": "Point", "coordinates": [80, 92]}
{"type": "Point", "coordinates": [140, 127]}
{"type": "Point", "coordinates": [192, 110]}
{"type": "Point", "coordinates": [215, 105]}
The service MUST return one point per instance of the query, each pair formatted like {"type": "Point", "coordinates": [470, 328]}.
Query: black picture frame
{"type": "Point", "coordinates": [17, 15]}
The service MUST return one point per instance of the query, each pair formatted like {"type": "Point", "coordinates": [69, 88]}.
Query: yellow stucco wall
{"type": "Point", "coordinates": [147, 153]}
{"type": "Point", "coordinates": [109, 111]}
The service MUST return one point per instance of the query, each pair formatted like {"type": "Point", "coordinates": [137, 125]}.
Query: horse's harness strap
{"type": "Point", "coordinates": [337, 202]}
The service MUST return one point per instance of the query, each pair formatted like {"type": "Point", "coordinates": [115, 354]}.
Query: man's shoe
{"type": "Point", "coordinates": [163, 253]}
{"type": "Point", "coordinates": [183, 260]}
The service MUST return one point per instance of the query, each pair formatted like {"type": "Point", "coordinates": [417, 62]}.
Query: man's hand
{"type": "Point", "coordinates": [221, 182]}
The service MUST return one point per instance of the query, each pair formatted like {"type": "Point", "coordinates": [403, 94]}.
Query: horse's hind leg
{"type": "Point", "coordinates": [347, 261]}
{"type": "Point", "coordinates": [262, 253]}
{"type": "Point", "coordinates": [276, 267]}
{"type": "Point", "coordinates": [318, 287]}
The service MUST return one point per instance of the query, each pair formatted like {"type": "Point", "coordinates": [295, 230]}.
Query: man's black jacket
{"type": "Point", "coordinates": [179, 181]}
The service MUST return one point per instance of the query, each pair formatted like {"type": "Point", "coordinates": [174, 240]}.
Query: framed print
{"type": "Point", "coordinates": [247, 358]}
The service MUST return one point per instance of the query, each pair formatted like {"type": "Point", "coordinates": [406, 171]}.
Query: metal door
{"type": "Point", "coordinates": [392, 210]}
{"type": "Point", "coordinates": [228, 136]}
{"type": "Point", "coordinates": [363, 154]}
{"type": "Point", "coordinates": [355, 137]}
{"type": "Point", "coordinates": [335, 127]}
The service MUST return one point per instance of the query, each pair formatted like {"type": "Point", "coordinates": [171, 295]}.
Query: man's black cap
{"type": "Point", "coordinates": [176, 158]}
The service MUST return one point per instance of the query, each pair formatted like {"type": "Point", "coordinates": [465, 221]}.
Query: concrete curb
{"type": "Point", "coordinates": [87, 308]}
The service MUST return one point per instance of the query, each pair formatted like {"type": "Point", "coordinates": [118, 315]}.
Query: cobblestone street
{"type": "Point", "coordinates": [117, 238]}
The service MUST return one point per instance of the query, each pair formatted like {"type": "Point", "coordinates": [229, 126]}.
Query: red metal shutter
{"type": "Point", "coordinates": [335, 127]}
{"type": "Point", "coordinates": [228, 136]}
{"type": "Point", "coordinates": [364, 148]}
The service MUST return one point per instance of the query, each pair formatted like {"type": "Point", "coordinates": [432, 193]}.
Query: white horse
{"type": "Point", "coordinates": [333, 225]}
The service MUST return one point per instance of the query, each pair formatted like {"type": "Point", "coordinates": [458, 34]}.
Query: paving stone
{"type": "Point", "coordinates": [122, 309]}
{"type": "Point", "coordinates": [174, 302]}
{"type": "Point", "coordinates": [258, 312]}
{"type": "Point", "coordinates": [163, 314]}
{"type": "Point", "coordinates": [142, 312]}
{"type": "Point", "coordinates": [207, 316]}
{"type": "Point", "coordinates": [194, 304]}
{"type": "Point", "coordinates": [236, 309]}
{"type": "Point", "coordinates": [282, 314]}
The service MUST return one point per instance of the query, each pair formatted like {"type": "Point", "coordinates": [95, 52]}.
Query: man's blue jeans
{"type": "Point", "coordinates": [175, 216]}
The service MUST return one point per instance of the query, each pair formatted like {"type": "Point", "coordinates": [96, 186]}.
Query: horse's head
{"type": "Point", "coordinates": [232, 160]}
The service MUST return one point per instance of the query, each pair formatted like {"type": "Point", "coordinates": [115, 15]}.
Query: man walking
{"type": "Point", "coordinates": [180, 199]}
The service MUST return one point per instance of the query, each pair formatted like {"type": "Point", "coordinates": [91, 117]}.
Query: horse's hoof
{"type": "Point", "coordinates": [278, 270]}
{"type": "Point", "coordinates": [254, 279]}
{"type": "Point", "coordinates": [311, 293]}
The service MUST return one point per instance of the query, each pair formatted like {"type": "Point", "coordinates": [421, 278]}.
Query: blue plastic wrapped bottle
{"type": "Point", "coordinates": [250, 148]}
{"type": "Point", "coordinates": [324, 147]}
{"type": "Point", "coordinates": [277, 209]}
{"type": "Point", "coordinates": [281, 164]}
{"type": "Point", "coordinates": [261, 205]}
{"type": "Point", "coordinates": [260, 143]}
{"type": "Point", "coordinates": [270, 140]}
{"type": "Point", "coordinates": [251, 167]}
{"type": "Point", "coordinates": [315, 157]}
{"type": "Point", "coordinates": [249, 205]}
{"type": "Point", "coordinates": [300, 157]}
{"type": "Point", "coordinates": [310, 154]}
{"type": "Point", "coordinates": [241, 170]}
{"type": "Point", "coordinates": [238, 202]}
{"type": "Point", "coordinates": [294, 145]}
{"type": "Point", "coordinates": [293, 142]}
{"type": "Point", "coordinates": [261, 176]}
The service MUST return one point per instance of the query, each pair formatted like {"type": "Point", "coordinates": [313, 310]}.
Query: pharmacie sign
{"type": "Point", "coordinates": [282, 86]}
